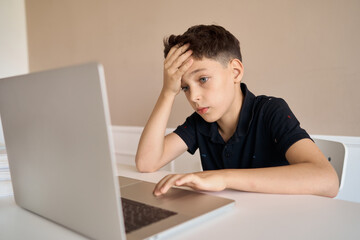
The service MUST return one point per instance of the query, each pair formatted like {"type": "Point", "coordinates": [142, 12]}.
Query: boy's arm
{"type": "Point", "coordinates": [155, 150]}
{"type": "Point", "coordinates": [309, 172]}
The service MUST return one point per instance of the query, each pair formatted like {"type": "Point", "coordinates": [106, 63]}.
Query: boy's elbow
{"type": "Point", "coordinates": [331, 191]}
{"type": "Point", "coordinates": [144, 167]}
{"type": "Point", "coordinates": [334, 188]}
{"type": "Point", "coordinates": [331, 185]}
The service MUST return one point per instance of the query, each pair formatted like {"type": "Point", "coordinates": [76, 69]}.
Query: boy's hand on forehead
{"type": "Point", "coordinates": [177, 62]}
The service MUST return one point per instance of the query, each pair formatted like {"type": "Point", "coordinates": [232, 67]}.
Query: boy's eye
{"type": "Point", "coordinates": [184, 88]}
{"type": "Point", "coordinates": [204, 79]}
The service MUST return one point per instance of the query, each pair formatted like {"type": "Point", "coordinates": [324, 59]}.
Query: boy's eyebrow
{"type": "Point", "coordinates": [193, 72]}
{"type": "Point", "coordinates": [196, 71]}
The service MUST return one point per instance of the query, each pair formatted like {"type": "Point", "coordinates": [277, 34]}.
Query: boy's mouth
{"type": "Point", "coordinates": [202, 110]}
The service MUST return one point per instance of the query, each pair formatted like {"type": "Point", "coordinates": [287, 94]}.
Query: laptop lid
{"type": "Point", "coordinates": [59, 143]}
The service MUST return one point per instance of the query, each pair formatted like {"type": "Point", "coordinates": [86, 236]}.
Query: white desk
{"type": "Point", "coordinates": [256, 216]}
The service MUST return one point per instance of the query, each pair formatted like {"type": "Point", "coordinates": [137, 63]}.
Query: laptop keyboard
{"type": "Point", "coordinates": [138, 215]}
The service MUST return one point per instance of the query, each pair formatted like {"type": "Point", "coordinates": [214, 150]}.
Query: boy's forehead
{"type": "Point", "coordinates": [199, 65]}
{"type": "Point", "coordinates": [204, 62]}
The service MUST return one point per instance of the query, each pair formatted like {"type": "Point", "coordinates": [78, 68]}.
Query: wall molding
{"type": "Point", "coordinates": [126, 139]}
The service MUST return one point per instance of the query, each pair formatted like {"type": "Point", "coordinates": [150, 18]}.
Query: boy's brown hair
{"type": "Point", "coordinates": [210, 41]}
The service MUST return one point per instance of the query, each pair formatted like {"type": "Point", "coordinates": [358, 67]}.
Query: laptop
{"type": "Point", "coordinates": [60, 148]}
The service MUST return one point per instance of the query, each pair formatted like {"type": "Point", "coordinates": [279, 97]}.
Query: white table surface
{"type": "Point", "coordinates": [255, 216]}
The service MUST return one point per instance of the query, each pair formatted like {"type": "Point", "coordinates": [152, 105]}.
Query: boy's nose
{"type": "Point", "coordinates": [194, 95]}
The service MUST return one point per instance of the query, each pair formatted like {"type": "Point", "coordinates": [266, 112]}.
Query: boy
{"type": "Point", "coordinates": [246, 143]}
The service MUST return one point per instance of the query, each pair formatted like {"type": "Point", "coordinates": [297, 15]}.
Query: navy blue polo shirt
{"type": "Point", "coordinates": [265, 131]}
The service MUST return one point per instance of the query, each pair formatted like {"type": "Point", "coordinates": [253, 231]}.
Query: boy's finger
{"type": "Point", "coordinates": [169, 183]}
{"type": "Point", "coordinates": [182, 70]}
{"type": "Point", "coordinates": [178, 52]}
{"type": "Point", "coordinates": [188, 179]}
{"type": "Point", "coordinates": [172, 50]}
{"type": "Point", "coordinates": [165, 184]}
{"type": "Point", "coordinates": [177, 63]}
{"type": "Point", "coordinates": [160, 184]}
{"type": "Point", "coordinates": [181, 59]}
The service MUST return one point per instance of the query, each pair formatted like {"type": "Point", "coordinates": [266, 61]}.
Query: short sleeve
{"type": "Point", "coordinates": [187, 132]}
{"type": "Point", "coordinates": [282, 125]}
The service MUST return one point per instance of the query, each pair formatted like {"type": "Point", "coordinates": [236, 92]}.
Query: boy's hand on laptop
{"type": "Point", "coordinates": [205, 181]}
{"type": "Point", "coordinates": [177, 62]}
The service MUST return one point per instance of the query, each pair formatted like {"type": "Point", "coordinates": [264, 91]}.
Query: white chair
{"type": "Point", "coordinates": [336, 153]}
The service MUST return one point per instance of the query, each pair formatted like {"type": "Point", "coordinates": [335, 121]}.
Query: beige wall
{"type": "Point", "coordinates": [304, 51]}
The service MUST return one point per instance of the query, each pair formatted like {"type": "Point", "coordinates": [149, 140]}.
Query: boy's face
{"type": "Point", "coordinates": [210, 88]}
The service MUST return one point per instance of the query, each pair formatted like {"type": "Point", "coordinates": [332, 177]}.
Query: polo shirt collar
{"type": "Point", "coordinates": [246, 112]}
{"type": "Point", "coordinates": [246, 115]}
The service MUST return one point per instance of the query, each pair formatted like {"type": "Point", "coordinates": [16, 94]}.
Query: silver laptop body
{"type": "Point", "coordinates": [60, 148]}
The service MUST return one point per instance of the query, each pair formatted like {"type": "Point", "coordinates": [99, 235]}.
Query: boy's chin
{"type": "Point", "coordinates": [208, 118]}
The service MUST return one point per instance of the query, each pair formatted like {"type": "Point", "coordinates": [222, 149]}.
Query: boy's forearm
{"type": "Point", "coordinates": [151, 146]}
{"type": "Point", "coordinates": [151, 143]}
{"type": "Point", "coordinates": [302, 178]}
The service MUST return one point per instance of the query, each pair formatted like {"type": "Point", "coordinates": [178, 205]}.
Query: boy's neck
{"type": "Point", "coordinates": [228, 123]}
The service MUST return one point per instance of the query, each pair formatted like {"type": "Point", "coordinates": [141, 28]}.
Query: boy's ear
{"type": "Point", "coordinates": [237, 69]}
